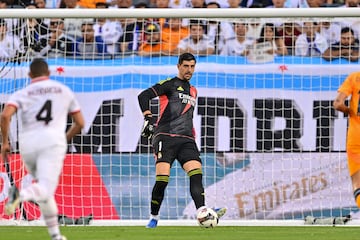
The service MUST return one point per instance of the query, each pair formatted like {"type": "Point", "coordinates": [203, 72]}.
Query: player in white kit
{"type": "Point", "coordinates": [43, 107]}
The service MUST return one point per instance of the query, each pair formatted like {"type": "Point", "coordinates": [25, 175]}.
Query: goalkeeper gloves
{"type": "Point", "coordinates": [148, 127]}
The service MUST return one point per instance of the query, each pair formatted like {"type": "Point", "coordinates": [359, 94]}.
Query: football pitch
{"type": "Point", "coordinates": [187, 233]}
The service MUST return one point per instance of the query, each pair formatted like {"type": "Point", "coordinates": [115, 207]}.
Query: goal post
{"type": "Point", "coordinates": [182, 13]}
{"type": "Point", "coordinates": [272, 146]}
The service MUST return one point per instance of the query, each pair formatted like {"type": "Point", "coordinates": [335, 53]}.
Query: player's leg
{"type": "Point", "coordinates": [158, 191]}
{"type": "Point", "coordinates": [193, 169]}
{"type": "Point", "coordinates": [49, 166]}
{"type": "Point", "coordinates": [189, 157]}
{"type": "Point", "coordinates": [354, 170]}
{"type": "Point", "coordinates": [15, 199]}
{"type": "Point", "coordinates": [164, 156]}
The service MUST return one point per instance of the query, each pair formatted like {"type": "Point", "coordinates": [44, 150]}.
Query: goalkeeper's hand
{"type": "Point", "coordinates": [148, 127]}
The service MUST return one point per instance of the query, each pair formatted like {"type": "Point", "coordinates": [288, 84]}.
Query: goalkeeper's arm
{"type": "Point", "coordinates": [144, 103]}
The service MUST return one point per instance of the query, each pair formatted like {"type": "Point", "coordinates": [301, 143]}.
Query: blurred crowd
{"type": "Point", "coordinates": [101, 37]}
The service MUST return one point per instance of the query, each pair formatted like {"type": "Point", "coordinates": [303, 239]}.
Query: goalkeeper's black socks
{"type": "Point", "coordinates": [158, 191]}
{"type": "Point", "coordinates": [196, 187]}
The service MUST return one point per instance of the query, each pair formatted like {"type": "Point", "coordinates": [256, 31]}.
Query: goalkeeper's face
{"type": "Point", "coordinates": [186, 69]}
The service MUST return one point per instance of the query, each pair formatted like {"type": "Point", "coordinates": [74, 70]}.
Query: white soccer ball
{"type": "Point", "coordinates": [207, 218]}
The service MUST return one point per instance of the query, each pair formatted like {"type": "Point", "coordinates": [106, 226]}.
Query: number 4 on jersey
{"type": "Point", "coordinates": [45, 112]}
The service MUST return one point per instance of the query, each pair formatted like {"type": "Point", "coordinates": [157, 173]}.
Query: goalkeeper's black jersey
{"type": "Point", "coordinates": [177, 99]}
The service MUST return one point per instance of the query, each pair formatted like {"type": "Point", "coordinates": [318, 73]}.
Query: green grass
{"type": "Point", "coordinates": [187, 233]}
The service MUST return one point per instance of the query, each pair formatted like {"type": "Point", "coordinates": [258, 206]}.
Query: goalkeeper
{"type": "Point", "coordinates": [174, 137]}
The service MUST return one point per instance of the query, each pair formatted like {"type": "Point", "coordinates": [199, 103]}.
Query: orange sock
{"type": "Point", "coordinates": [358, 201]}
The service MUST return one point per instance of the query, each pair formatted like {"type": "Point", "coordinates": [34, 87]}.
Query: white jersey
{"type": "Point", "coordinates": [235, 48]}
{"type": "Point", "coordinates": [44, 106]}
{"type": "Point", "coordinates": [9, 46]}
{"type": "Point", "coordinates": [204, 43]}
{"type": "Point", "coordinates": [306, 47]}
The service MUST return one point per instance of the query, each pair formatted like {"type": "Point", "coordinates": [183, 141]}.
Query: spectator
{"type": "Point", "coordinates": [351, 3]}
{"type": "Point", "coordinates": [32, 31]}
{"type": "Point", "coordinates": [310, 42]}
{"type": "Point", "coordinates": [289, 31]}
{"type": "Point", "coordinates": [73, 25]}
{"type": "Point", "coordinates": [99, 22]}
{"type": "Point", "coordinates": [255, 3]}
{"type": "Point", "coordinates": [271, 40]}
{"type": "Point", "coordinates": [331, 31]}
{"type": "Point", "coordinates": [197, 42]}
{"type": "Point", "coordinates": [258, 3]}
{"type": "Point", "coordinates": [198, 3]}
{"type": "Point", "coordinates": [222, 3]}
{"type": "Point", "coordinates": [218, 31]}
{"type": "Point", "coordinates": [292, 3]}
{"type": "Point", "coordinates": [12, 24]}
{"type": "Point", "coordinates": [110, 30]}
{"type": "Point", "coordinates": [180, 4]}
{"type": "Point", "coordinates": [41, 4]}
{"type": "Point", "coordinates": [162, 3]}
{"type": "Point", "coordinates": [347, 47]}
{"type": "Point", "coordinates": [153, 45]}
{"type": "Point", "coordinates": [313, 3]}
{"type": "Point", "coordinates": [132, 37]}
{"type": "Point", "coordinates": [254, 29]}
{"type": "Point", "coordinates": [305, 3]}
{"type": "Point", "coordinates": [172, 33]}
{"type": "Point", "coordinates": [10, 45]}
{"type": "Point", "coordinates": [234, 3]}
{"type": "Point", "coordinates": [277, 4]}
{"type": "Point", "coordinates": [237, 46]}
{"type": "Point", "coordinates": [354, 22]}
{"type": "Point", "coordinates": [89, 46]}
{"type": "Point", "coordinates": [54, 3]}
{"type": "Point", "coordinates": [57, 44]}
{"type": "Point", "coordinates": [121, 4]}
{"type": "Point", "coordinates": [194, 4]}
{"type": "Point", "coordinates": [90, 3]}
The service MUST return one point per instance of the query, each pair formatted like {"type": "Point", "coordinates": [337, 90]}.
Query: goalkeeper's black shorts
{"type": "Point", "coordinates": [168, 148]}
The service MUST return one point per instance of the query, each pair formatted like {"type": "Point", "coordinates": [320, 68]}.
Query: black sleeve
{"type": "Point", "coordinates": [144, 99]}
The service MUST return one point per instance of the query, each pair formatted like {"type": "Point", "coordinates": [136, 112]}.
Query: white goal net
{"type": "Point", "coordinates": [271, 144]}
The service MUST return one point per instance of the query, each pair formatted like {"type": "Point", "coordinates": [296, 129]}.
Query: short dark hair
{"type": "Point", "coordinates": [141, 5]}
{"type": "Point", "coordinates": [39, 67]}
{"type": "Point", "coordinates": [101, 4]}
{"type": "Point", "coordinates": [213, 3]}
{"type": "Point", "coordinates": [186, 57]}
{"type": "Point", "coordinates": [346, 30]}
{"type": "Point", "coordinates": [196, 22]}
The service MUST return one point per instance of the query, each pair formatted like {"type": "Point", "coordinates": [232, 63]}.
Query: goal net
{"type": "Point", "coordinates": [272, 146]}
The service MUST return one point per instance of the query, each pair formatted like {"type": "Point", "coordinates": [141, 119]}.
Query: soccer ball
{"type": "Point", "coordinates": [207, 218]}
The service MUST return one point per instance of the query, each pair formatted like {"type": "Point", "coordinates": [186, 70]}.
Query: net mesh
{"type": "Point", "coordinates": [271, 144]}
